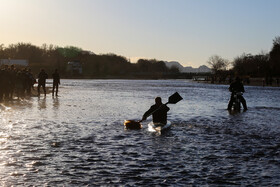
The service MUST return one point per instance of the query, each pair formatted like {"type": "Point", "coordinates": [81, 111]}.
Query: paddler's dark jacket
{"type": "Point", "coordinates": [160, 114]}
{"type": "Point", "coordinates": [236, 86]}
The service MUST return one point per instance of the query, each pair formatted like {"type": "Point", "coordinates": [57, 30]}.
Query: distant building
{"type": "Point", "coordinates": [75, 68]}
{"type": "Point", "coordinates": [201, 78]}
{"type": "Point", "coordinates": [20, 62]}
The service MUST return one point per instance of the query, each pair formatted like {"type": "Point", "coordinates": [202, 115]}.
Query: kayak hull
{"type": "Point", "coordinates": [159, 127]}
{"type": "Point", "coordinates": [132, 124]}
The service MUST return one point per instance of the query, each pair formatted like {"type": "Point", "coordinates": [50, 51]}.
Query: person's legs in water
{"type": "Point", "coordinates": [56, 93]}
{"type": "Point", "coordinates": [53, 89]}
{"type": "Point", "coordinates": [230, 102]}
{"type": "Point", "coordinates": [38, 89]}
{"type": "Point", "coordinates": [44, 88]}
{"type": "Point", "coordinates": [243, 101]}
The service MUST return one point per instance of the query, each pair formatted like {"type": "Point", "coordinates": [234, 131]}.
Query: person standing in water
{"type": "Point", "coordinates": [237, 86]}
{"type": "Point", "coordinates": [56, 82]}
{"type": "Point", "coordinates": [158, 110]}
{"type": "Point", "coordinates": [42, 81]}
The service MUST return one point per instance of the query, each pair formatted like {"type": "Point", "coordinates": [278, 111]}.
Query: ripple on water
{"type": "Point", "coordinates": [79, 138]}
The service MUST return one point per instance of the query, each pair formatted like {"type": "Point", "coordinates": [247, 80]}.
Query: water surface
{"type": "Point", "coordinates": [78, 138]}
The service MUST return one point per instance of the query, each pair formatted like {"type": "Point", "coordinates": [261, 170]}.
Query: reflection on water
{"type": "Point", "coordinates": [55, 103]}
{"type": "Point", "coordinates": [42, 103]}
{"type": "Point", "coordinates": [78, 139]}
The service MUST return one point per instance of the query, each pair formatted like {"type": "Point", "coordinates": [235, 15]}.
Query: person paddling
{"type": "Point", "coordinates": [158, 110]}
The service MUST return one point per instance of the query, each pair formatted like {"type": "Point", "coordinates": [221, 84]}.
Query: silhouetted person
{"type": "Point", "coordinates": [42, 81]}
{"type": "Point", "coordinates": [56, 82]}
{"type": "Point", "coordinates": [19, 84]}
{"type": "Point", "coordinates": [235, 87]}
{"type": "Point", "coordinates": [159, 112]}
{"type": "Point", "coordinates": [30, 81]}
{"type": "Point", "coordinates": [2, 76]}
{"type": "Point", "coordinates": [13, 73]}
{"type": "Point", "coordinates": [6, 82]}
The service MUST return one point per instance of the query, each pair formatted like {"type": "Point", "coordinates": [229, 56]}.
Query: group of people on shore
{"type": "Point", "coordinates": [19, 82]}
{"type": "Point", "coordinates": [15, 82]}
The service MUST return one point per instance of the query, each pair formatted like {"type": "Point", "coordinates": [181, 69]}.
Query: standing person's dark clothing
{"type": "Point", "coordinates": [42, 81]}
{"type": "Point", "coordinates": [30, 81]}
{"type": "Point", "coordinates": [235, 87]}
{"type": "Point", "coordinates": [6, 82]}
{"type": "Point", "coordinates": [19, 84]}
{"type": "Point", "coordinates": [1, 84]}
{"type": "Point", "coordinates": [159, 112]}
{"type": "Point", "coordinates": [13, 75]}
{"type": "Point", "coordinates": [56, 82]}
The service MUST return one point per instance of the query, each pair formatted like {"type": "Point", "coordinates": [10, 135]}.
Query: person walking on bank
{"type": "Point", "coordinates": [159, 112]}
{"type": "Point", "coordinates": [237, 86]}
{"type": "Point", "coordinates": [42, 81]}
{"type": "Point", "coordinates": [56, 82]}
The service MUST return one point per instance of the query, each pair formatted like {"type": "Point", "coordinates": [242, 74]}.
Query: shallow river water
{"type": "Point", "coordinates": [78, 138]}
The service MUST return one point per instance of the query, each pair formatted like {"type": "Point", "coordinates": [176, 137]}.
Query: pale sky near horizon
{"type": "Point", "coordinates": [187, 31]}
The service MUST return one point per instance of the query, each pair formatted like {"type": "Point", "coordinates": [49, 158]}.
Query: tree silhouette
{"type": "Point", "coordinates": [217, 63]}
{"type": "Point", "coordinates": [252, 65]}
{"type": "Point", "coordinates": [274, 61]}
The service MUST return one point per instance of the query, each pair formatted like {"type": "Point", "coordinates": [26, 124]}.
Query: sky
{"type": "Point", "coordinates": [186, 31]}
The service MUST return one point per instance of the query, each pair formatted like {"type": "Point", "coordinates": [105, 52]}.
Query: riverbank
{"type": "Point", "coordinates": [250, 82]}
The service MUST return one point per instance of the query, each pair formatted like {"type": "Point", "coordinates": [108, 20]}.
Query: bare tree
{"type": "Point", "coordinates": [217, 63]}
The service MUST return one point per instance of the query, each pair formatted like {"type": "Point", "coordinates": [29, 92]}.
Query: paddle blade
{"type": "Point", "coordinates": [175, 98]}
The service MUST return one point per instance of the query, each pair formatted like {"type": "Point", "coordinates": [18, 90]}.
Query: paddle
{"type": "Point", "coordinates": [175, 98]}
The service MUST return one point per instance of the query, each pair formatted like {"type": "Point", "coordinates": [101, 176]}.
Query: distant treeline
{"type": "Point", "coordinates": [248, 65]}
{"type": "Point", "coordinates": [50, 57]}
